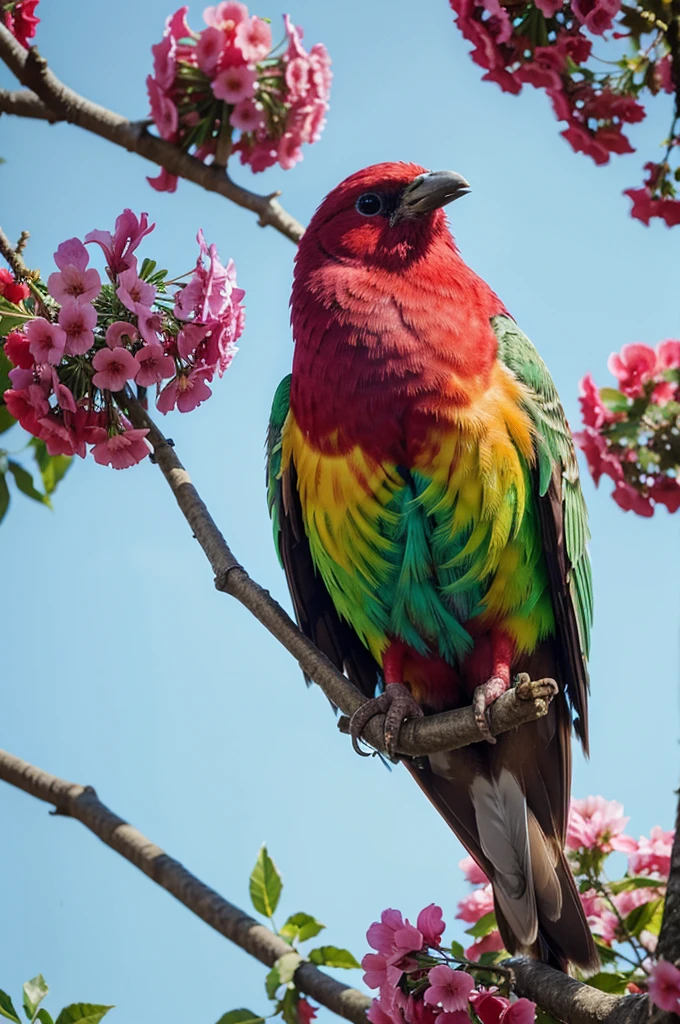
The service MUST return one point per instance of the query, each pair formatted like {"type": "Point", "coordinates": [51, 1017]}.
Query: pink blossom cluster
{"type": "Point", "coordinates": [20, 18]}
{"type": "Point", "coordinates": [547, 44]}
{"type": "Point", "coordinates": [93, 340]}
{"type": "Point", "coordinates": [226, 79]}
{"type": "Point", "coordinates": [414, 991]}
{"type": "Point", "coordinates": [664, 986]}
{"type": "Point", "coordinates": [632, 433]}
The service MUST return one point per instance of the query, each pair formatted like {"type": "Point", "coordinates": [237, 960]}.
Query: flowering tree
{"type": "Point", "coordinates": [87, 351]}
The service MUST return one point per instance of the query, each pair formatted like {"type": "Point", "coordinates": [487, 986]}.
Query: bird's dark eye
{"type": "Point", "coordinates": [369, 204]}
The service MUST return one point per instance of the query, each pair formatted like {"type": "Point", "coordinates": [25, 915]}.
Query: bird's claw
{"type": "Point", "coordinates": [396, 703]}
{"type": "Point", "coordinates": [529, 689]}
{"type": "Point", "coordinates": [483, 698]}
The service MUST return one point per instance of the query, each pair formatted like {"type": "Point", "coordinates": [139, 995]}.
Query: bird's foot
{"type": "Point", "coordinates": [483, 698]}
{"type": "Point", "coordinates": [529, 689]}
{"type": "Point", "coordinates": [396, 703]}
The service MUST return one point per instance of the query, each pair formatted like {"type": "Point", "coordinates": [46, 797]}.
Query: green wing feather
{"type": "Point", "coordinates": [562, 510]}
{"type": "Point", "coordinates": [280, 407]}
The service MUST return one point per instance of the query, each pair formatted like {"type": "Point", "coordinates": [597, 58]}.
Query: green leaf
{"type": "Point", "coordinates": [287, 965]}
{"type": "Point", "coordinates": [148, 267]}
{"type": "Point", "coordinates": [6, 418]}
{"type": "Point", "coordinates": [645, 918]}
{"type": "Point", "coordinates": [5, 367]}
{"type": "Point", "coordinates": [485, 925]}
{"type": "Point", "coordinates": [24, 482]}
{"type": "Point", "coordinates": [627, 884]}
{"type": "Point", "coordinates": [53, 468]}
{"type": "Point", "coordinates": [607, 955]}
{"type": "Point", "coordinates": [457, 950]}
{"type": "Point", "coordinates": [331, 956]}
{"type": "Point", "coordinates": [11, 321]}
{"type": "Point", "coordinates": [265, 884]}
{"type": "Point", "coordinates": [86, 1013]}
{"type": "Point", "coordinates": [44, 1017]}
{"type": "Point", "coordinates": [7, 1008]}
{"type": "Point", "coordinates": [300, 927]}
{"type": "Point", "coordinates": [35, 991]}
{"type": "Point", "coordinates": [239, 1017]}
{"type": "Point", "coordinates": [4, 496]}
{"type": "Point", "coordinates": [609, 981]}
{"type": "Point", "coordinates": [614, 400]}
{"type": "Point", "coordinates": [288, 1006]}
{"type": "Point", "coordinates": [272, 982]}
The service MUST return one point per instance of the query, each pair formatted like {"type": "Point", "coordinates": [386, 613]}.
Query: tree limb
{"type": "Point", "coordinates": [52, 101]}
{"type": "Point", "coordinates": [572, 1001]}
{"type": "Point", "coordinates": [446, 731]}
{"type": "Point", "coordinates": [81, 802]}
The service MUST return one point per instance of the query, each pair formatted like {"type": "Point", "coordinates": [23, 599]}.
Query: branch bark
{"type": "Point", "coordinates": [571, 1000]}
{"type": "Point", "coordinates": [51, 100]}
{"type": "Point", "coordinates": [446, 731]}
{"type": "Point", "coordinates": [82, 802]}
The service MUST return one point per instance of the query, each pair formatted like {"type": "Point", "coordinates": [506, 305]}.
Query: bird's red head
{"type": "Point", "coordinates": [386, 215]}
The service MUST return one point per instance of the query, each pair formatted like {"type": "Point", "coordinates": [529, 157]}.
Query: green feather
{"type": "Point", "coordinates": [277, 418]}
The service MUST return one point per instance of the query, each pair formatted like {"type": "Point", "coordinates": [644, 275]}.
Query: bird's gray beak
{"type": "Point", "coordinates": [428, 192]}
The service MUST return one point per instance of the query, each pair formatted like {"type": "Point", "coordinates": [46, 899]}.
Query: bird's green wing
{"type": "Point", "coordinates": [315, 612]}
{"type": "Point", "coordinates": [562, 512]}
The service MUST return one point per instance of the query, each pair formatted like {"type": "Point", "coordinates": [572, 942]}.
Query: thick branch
{"type": "Point", "coordinates": [570, 1000]}
{"type": "Point", "coordinates": [668, 947]}
{"type": "Point", "coordinates": [446, 731]}
{"type": "Point", "coordinates": [59, 103]}
{"type": "Point", "coordinates": [81, 802]}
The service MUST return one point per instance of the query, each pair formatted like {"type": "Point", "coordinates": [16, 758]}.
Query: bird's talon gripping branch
{"type": "Point", "coordinates": [396, 703]}
{"type": "Point", "coordinates": [483, 698]}
{"type": "Point", "coordinates": [528, 689]}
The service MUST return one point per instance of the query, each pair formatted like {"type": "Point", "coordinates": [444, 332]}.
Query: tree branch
{"type": "Point", "coordinates": [13, 256]}
{"type": "Point", "coordinates": [446, 731]}
{"type": "Point", "coordinates": [81, 802]}
{"type": "Point", "coordinates": [51, 100]}
{"type": "Point", "coordinates": [572, 1001]}
{"type": "Point", "coordinates": [668, 947]}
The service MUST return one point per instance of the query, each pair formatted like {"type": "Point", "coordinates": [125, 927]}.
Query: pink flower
{"type": "Point", "coordinates": [21, 378]}
{"type": "Point", "coordinates": [472, 871]}
{"type": "Point", "coordinates": [149, 324]}
{"type": "Point", "coordinates": [664, 986]}
{"type": "Point", "coordinates": [154, 365]}
{"type": "Point", "coordinates": [668, 355]}
{"type": "Point", "coordinates": [115, 366]}
{"type": "Point", "coordinates": [254, 38]}
{"type": "Point", "coordinates": [189, 338]}
{"type": "Point", "coordinates": [164, 181]}
{"type": "Point", "coordinates": [490, 943]}
{"type": "Point", "coordinates": [593, 409]}
{"type": "Point", "coordinates": [633, 367]}
{"type": "Point", "coordinates": [289, 152]}
{"type": "Point", "coordinates": [133, 290]}
{"type": "Point", "coordinates": [27, 405]}
{"type": "Point", "coordinates": [600, 456]}
{"type": "Point", "coordinates": [377, 1015]}
{"type": "Point", "coordinates": [596, 823]}
{"type": "Point", "coordinates": [520, 1011]}
{"type": "Point", "coordinates": [627, 901]}
{"type": "Point", "coordinates": [64, 396]}
{"type": "Point", "coordinates": [186, 391]}
{"type": "Point", "coordinates": [305, 1012]}
{"type": "Point", "coordinates": [476, 905]}
{"type": "Point", "coordinates": [163, 111]}
{"type": "Point", "coordinates": [603, 921]}
{"type": "Point", "coordinates": [72, 252]}
{"type": "Point", "coordinates": [77, 320]}
{"type": "Point", "coordinates": [247, 116]}
{"type": "Point", "coordinates": [209, 49]}
{"type": "Point", "coordinates": [86, 427]}
{"type": "Point", "coordinates": [663, 73]}
{"type": "Point", "coordinates": [630, 500]}
{"type": "Point", "coordinates": [235, 84]}
{"type": "Point", "coordinates": [18, 351]}
{"type": "Point", "coordinates": [122, 450]}
{"type": "Point", "coordinates": [448, 988]}
{"type": "Point", "coordinates": [653, 855]}
{"type": "Point", "coordinates": [73, 283]}
{"type": "Point", "coordinates": [164, 61]}
{"type": "Point", "coordinates": [46, 341]}
{"type": "Point", "coordinates": [226, 16]}
{"type": "Point", "coordinates": [21, 20]}
{"type": "Point", "coordinates": [666, 491]}
{"type": "Point", "coordinates": [430, 924]}
{"type": "Point", "coordinates": [176, 26]}
{"type": "Point", "coordinates": [118, 330]}
{"type": "Point", "coordinates": [119, 247]}
{"type": "Point", "coordinates": [663, 392]}
{"type": "Point", "coordinates": [596, 15]}
{"type": "Point", "coordinates": [488, 1006]}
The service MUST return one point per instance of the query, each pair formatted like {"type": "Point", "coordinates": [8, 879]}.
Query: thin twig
{"type": "Point", "coordinates": [446, 731]}
{"type": "Point", "coordinates": [81, 802]}
{"type": "Point", "coordinates": [50, 100]}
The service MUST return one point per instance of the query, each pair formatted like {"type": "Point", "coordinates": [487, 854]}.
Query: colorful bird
{"type": "Point", "coordinates": [428, 514]}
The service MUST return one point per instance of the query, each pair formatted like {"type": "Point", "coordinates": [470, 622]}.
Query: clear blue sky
{"type": "Point", "coordinates": [123, 668]}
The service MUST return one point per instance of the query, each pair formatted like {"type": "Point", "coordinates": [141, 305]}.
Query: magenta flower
{"type": "Point", "coordinates": [235, 84]}
{"type": "Point", "coordinates": [653, 855]}
{"type": "Point", "coordinates": [630, 500]}
{"type": "Point", "coordinates": [664, 986]}
{"type": "Point", "coordinates": [133, 291]}
{"type": "Point", "coordinates": [118, 330]}
{"type": "Point", "coordinates": [163, 111]}
{"type": "Point", "coordinates": [253, 38]}
{"type": "Point", "coordinates": [46, 341]}
{"type": "Point", "coordinates": [20, 378]}
{"type": "Point", "coordinates": [186, 391]}
{"type": "Point", "coordinates": [73, 283]}
{"type": "Point", "coordinates": [225, 16]}
{"type": "Point", "coordinates": [189, 338]}
{"type": "Point", "coordinates": [149, 323]}
{"type": "Point", "coordinates": [596, 823]}
{"type": "Point", "coordinates": [668, 355]}
{"type": "Point", "coordinates": [633, 367]}
{"type": "Point", "coordinates": [119, 247]}
{"type": "Point", "coordinates": [72, 252]}
{"type": "Point", "coordinates": [448, 988]}
{"type": "Point", "coordinates": [154, 366]}
{"type": "Point", "coordinates": [430, 924]}
{"type": "Point", "coordinates": [490, 943]}
{"type": "Point", "coordinates": [114, 366]}
{"type": "Point", "coordinates": [247, 116]}
{"type": "Point", "coordinates": [122, 450]}
{"type": "Point", "coordinates": [78, 321]}
{"type": "Point", "coordinates": [209, 49]}
{"type": "Point", "coordinates": [474, 906]}
{"type": "Point", "coordinates": [63, 395]}
{"type": "Point", "coordinates": [164, 181]}
{"type": "Point", "coordinates": [164, 61]}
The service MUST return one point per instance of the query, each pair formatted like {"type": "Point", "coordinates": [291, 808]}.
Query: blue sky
{"type": "Point", "coordinates": [124, 669]}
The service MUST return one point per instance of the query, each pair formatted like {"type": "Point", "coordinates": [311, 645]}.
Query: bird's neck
{"type": "Point", "coordinates": [381, 351]}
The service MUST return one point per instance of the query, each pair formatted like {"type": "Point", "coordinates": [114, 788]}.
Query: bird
{"type": "Point", "coordinates": [427, 512]}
